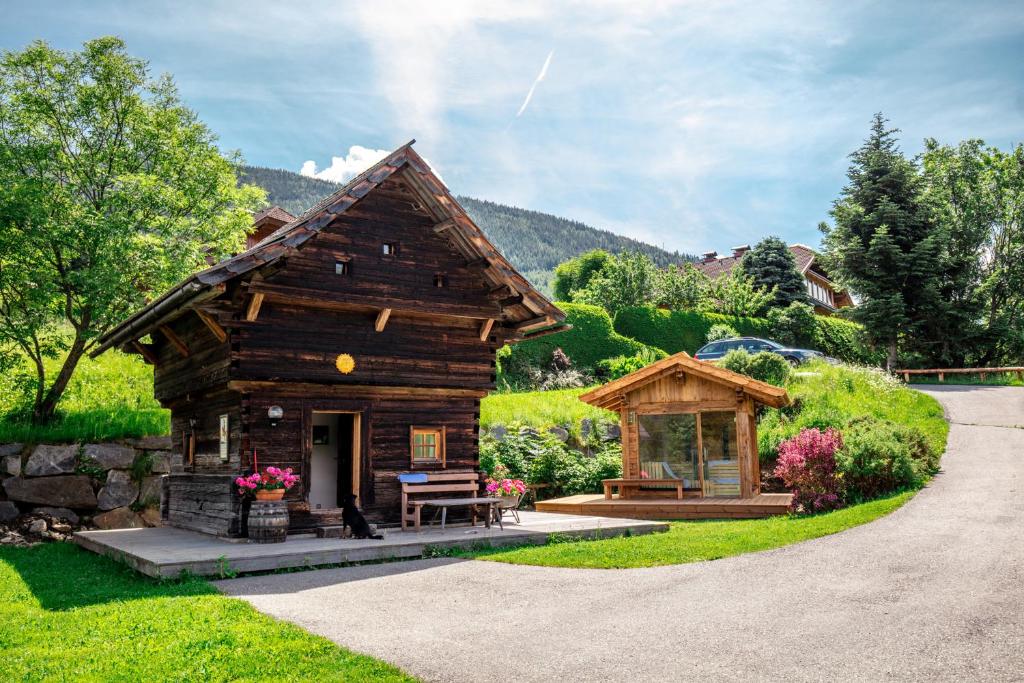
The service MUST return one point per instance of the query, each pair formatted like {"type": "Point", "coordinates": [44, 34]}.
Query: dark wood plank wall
{"type": "Point", "coordinates": [384, 439]}
{"type": "Point", "coordinates": [386, 215]}
{"type": "Point", "coordinates": [206, 407]}
{"type": "Point", "coordinates": [302, 344]}
{"type": "Point", "coordinates": [205, 367]}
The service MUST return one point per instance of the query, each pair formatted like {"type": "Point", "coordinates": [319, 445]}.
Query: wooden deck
{"type": "Point", "coordinates": [761, 505]}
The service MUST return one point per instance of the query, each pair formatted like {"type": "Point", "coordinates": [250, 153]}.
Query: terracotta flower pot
{"type": "Point", "coordinates": [271, 494]}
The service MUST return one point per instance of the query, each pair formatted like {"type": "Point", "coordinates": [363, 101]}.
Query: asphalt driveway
{"type": "Point", "coordinates": [934, 591]}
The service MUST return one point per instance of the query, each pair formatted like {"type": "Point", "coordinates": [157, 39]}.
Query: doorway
{"type": "Point", "coordinates": [334, 459]}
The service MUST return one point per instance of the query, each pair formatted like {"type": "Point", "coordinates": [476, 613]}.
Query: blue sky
{"type": "Point", "coordinates": [695, 125]}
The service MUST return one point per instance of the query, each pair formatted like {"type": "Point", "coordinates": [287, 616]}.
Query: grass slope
{"type": "Point", "coordinates": [693, 541]}
{"type": "Point", "coordinates": [539, 409]}
{"type": "Point", "coordinates": [109, 397]}
{"type": "Point", "coordinates": [70, 615]}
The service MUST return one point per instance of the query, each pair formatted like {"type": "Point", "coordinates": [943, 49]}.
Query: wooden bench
{"type": "Point", "coordinates": [624, 485]}
{"type": "Point", "coordinates": [445, 482]}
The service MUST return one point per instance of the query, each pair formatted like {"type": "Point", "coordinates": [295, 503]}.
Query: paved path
{"type": "Point", "coordinates": [934, 591]}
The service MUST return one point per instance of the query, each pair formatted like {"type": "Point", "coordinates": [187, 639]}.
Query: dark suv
{"type": "Point", "coordinates": [715, 350]}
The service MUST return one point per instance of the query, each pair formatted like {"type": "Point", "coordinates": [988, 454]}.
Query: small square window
{"type": "Point", "coordinates": [427, 445]}
{"type": "Point", "coordinates": [342, 268]}
{"type": "Point", "coordinates": [440, 280]}
{"type": "Point", "coordinates": [390, 249]}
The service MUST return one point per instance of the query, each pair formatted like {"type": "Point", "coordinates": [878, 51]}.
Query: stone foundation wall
{"type": "Point", "coordinates": [104, 485]}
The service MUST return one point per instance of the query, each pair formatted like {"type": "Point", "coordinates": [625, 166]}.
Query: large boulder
{"type": "Point", "coordinates": [10, 464]}
{"type": "Point", "coordinates": [161, 461]}
{"type": "Point", "coordinates": [8, 449]}
{"type": "Point", "coordinates": [118, 491]}
{"type": "Point", "coordinates": [47, 460]}
{"type": "Point", "coordinates": [70, 491]}
{"type": "Point", "coordinates": [59, 513]}
{"type": "Point", "coordinates": [149, 491]}
{"type": "Point", "coordinates": [120, 518]}
{"type": "Point", "coordinates": [109, 456]}
{"type": "Point", "coordinates": [560, 433]}
{"type": "Point", "coordinates": [151, 516]}
{"type": "Point", "coordinates": [8, 511]}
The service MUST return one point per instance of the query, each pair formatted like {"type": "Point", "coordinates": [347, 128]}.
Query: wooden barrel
{"type": "Point", "coordinates": [268, 521]}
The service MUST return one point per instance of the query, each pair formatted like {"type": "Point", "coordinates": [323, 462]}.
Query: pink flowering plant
{"type": "Point", "coordinates": [505, 487]}
{"type": "Point", "coordinates": [272, 478]}
{"type": "Point", "coordinates": [807, 466]}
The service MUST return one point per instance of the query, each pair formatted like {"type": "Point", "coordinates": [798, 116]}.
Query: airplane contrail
{"type": "Point", "coordinates": [536, 82]}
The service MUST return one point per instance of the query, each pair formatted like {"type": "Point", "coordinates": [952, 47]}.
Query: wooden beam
{"type": "Point", "coordinates": [175, 340]}
{"type": "Point", "coordinates": [485, 329]}
{"type": "Point", "coordinates": [255, 303]}
{"type": "Point", "coordinates": [146, 351]}
{"type": "Point", "coordinates": [444, 225]}
{"type": "Point", "coordinates": [350, 390]}
{"type": "Point", "coordinates": [501, 292]}
{"type": "Point", "coordinates": [534, 323]}
{"type": "Point", "coordinates": [211, 324]}
{"type": "Point", "coordinates": [382, 319]}
{"type": "Point", "coordinates": [511, 301]}
{"type": "Point", "coordinates": [319, 298]}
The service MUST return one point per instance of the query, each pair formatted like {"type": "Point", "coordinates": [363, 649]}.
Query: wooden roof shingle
{"type": "Point", "coordinates": [608, 395]}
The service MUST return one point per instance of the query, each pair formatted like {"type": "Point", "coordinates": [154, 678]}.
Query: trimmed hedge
{"type": "Point", "coordinates": [675, 331]}
{"type": "Point", "coordinates": [590, 340]}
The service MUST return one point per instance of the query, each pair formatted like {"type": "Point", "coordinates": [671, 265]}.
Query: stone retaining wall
{"type": "Point", "coordinates": [103, 485]}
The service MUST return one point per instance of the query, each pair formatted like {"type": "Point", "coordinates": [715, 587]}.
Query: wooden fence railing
{"type": "Point", "coordinates": [942, 372]}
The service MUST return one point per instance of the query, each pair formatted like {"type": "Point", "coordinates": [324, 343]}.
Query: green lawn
{"type": "Point", "coordinates": [110, 397]}
{"type": "Point", "coordinates": [693, 541]}
{"type": "Point", "coordinates": [69, 615]}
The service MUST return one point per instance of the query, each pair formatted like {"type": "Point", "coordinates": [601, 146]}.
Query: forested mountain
{"type": "Point", "coordinates": [534, 242]}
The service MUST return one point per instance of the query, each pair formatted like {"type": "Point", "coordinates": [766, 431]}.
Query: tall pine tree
{"type": "Point", "coordinates": [771, 264]}
{"type": "Point", "coordinates": [884, 245]}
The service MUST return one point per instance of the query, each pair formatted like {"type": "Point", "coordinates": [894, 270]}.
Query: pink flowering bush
{"type": "Point", "coordinates": [272, 478]}
{"type": "Point", "coordinates": [807, 466]}
{"type": "Point", "coordinates": [506, 487]}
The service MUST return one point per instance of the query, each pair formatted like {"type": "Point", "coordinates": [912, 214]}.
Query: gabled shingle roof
{"type": "Point", "coordinates": [540, 313]}
{"type": "Point", "coordinates": [804, 256]}
{"type": "Point", "coordinates": [607, 395]}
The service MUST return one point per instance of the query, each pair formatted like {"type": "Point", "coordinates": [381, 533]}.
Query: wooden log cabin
{"type": "Point", "coordinates": [351, 343]}
{"type": "Point", "coordinates": [689, 445]}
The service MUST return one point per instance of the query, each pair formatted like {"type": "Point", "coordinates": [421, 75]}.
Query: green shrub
{"type": "Point", "coordinates": [540, 458]}
{"type": "Point", "coordinates": [620, 366]}
{"type": "Point", "coordinates": [720, 331]}
{"type": "Point", "coordinates": [793, 325]}
{"type": "Point", "coordinates": [843, 339]}
{"type": "Point", "coordinates": [675, 331]}
{"type": "Point", "coordinates": [879, 457]}
{"type": "Point", "coordinates": [590, 341]}
{"type": "Point", "coordinates": [764, 366]}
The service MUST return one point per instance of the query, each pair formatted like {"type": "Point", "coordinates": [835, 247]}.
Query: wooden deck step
{"type": "Point", "coordinates": [762, 505]}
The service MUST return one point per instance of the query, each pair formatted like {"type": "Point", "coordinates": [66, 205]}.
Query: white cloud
{"type": "Point", "coordinates": [343, 169]}
{"type": "Point", "coordinates": [536, 82]}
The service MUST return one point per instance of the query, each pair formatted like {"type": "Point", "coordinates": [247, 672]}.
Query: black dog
{"type": "Point", "coordinates": [353, 519]}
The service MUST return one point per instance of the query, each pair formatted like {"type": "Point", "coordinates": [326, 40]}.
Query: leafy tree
{"type": "Point", "coordinates": [576, 273]}
{"type": "Point", "coordinates": [681, 288]}
{"type": "Point", "coordinates": [771, 264]}
{"type": "Point", "coordinates": [720, 331]}
{"type": "Point", "coordinates": [110, 191]}
{"type": "Point", "coordinates": [884, 245]}
{"type": "Point", "coordinates": [736, 294]}
{"type": "Point", "coordinates": [977, 194]}
{"type": "Point", "coordinates": [627, 280]}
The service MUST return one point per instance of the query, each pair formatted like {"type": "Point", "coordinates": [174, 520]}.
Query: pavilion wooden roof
{"type": "Point", "coordinates": [532, 315]}
{"type": "Point", "coordinates": [610, 395]}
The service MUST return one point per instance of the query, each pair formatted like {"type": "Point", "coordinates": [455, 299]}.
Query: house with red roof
{"type": "Point", "coordinates": [825, 295]}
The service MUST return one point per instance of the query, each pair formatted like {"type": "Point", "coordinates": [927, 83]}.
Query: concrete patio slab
{"type": "Point", "coordinates": [166, 552]}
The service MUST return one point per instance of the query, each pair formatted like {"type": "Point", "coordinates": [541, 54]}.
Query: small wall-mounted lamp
{"type": "Point", "coordinates": [274, 414]}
